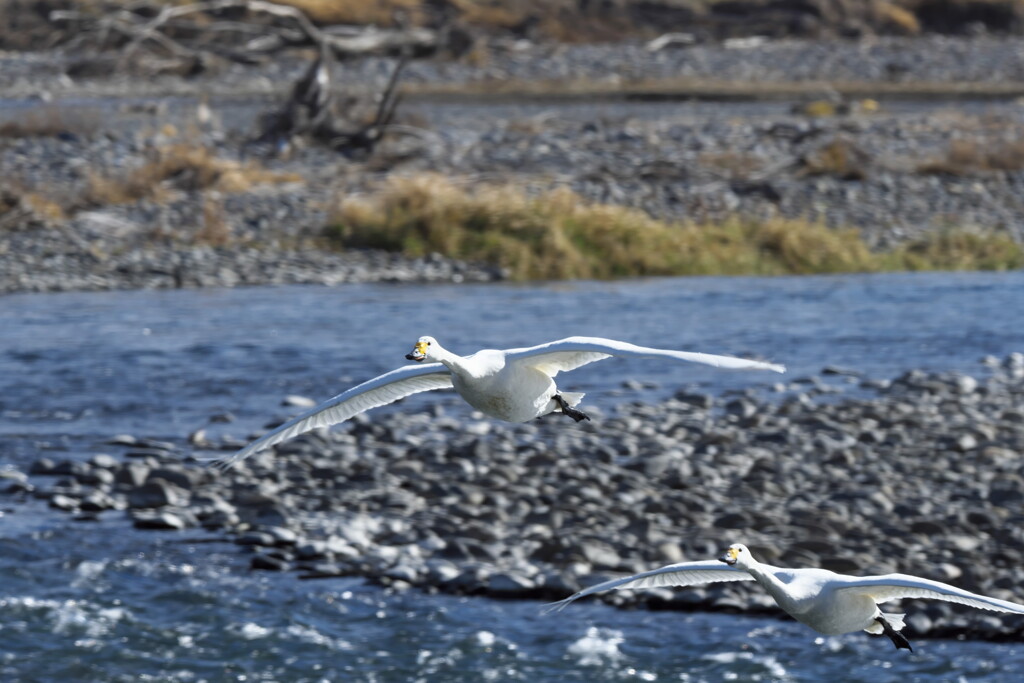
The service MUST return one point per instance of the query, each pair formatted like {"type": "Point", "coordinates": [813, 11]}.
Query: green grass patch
{"type": "Point", "coordinates": [558, 235]}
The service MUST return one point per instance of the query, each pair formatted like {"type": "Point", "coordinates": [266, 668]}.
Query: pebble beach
{"type": "Point", "coordinates": [922, 470]}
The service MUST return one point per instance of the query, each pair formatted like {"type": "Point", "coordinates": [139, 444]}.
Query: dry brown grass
{"type": "Point", "coordinates": [380, 12]}
{"type": "Point", "coordinates": [24, 25]}
{"type": "Point", "coordinates": [558, 235]}
{"type": "Point", "coordinates": [966, 157]}
{"type": "Point", "coordinates": [24, 207]}
{"type": "Point", "coordinates": [839, 158]}
{"type": "Point", "coordinates": [490, 13]}
{"type": "Point", "coordinates": [896, 20]}
{"type": "Point", "coordinates": [731, 164]}
{"type": "Point", "coordinates": [44, 207]}
{"type": "Point", "coordinates": [179, 167]}
{"type": "Point", "coordinates": [960, 250]}
{"type": "Point", "coordinates": [215, 230]}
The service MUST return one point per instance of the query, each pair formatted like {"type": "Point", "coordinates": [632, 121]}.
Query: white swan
{"type": "Point", "coordinates": [829, 603]}
{"type": "Point", "coordinates": [515, 385]}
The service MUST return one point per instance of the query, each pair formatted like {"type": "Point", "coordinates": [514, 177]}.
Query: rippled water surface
{"type": "Point", "coordinates": [98, 601]}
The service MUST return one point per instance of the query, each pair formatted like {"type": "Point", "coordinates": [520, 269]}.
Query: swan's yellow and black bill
{"type": "Point", "coordinates": [730, 556]}
{"type": "Point", "coordinates": [418, 353]}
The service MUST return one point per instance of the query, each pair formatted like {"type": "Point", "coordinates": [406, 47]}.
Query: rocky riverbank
{"type": "Point", "coordinates": [920, 474]}
{"type": "Point", "coordinates": [114, 182]}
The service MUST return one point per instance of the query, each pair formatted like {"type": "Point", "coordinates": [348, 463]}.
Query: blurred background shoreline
{"type": "Point", "coordinates": [164, 146]}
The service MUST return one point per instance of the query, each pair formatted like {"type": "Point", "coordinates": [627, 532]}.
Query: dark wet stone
{"type": "Point", "coordinates": [322, 570]}
{"type": "Point", "coordinates": [97, 476]}
{"type": "Point", "coordinates": [131, 474]}
{"type": "Point", "coordinates": [104, 461]}
{"type": "Point", "coordinates": [87, 516]}
{"type": "Point", "coordinates": [600, 554]}
{"type": "Point", "coordinates": [257, 538]}
{"type": "Point", "coordinates": [281, 536]}
{"type": "Point", "coordinates": [440, 571]}
{"type": "Point", "coordinates": [836, 370]}
{"type": "Point", "coordinates": [733, 520]}
{"type": "Point", "coordinates": [97, 501]}
{"type": "Point", "coordinates": [841, 565]}
{"type": "Point", "coordinates": [510, 585]}
{"type": "Point", "coordinates": [966, 442]}
{"type": "Point", "coordinates": [159, 520]}
{"type": "Point", "coordinates": [16, 487]}
{"type": "Point", "coordinates": [157, 493]}
{"type": "Point", "coordinates": [558, 584]}
{"type": "Point", "coordinates": [311, 550]}
{"type": "Point", "coordinates": [71, 468]}
{"type": "Point", "coordinates": [13, 476]}
{"type": "Point", "coordinates": [741, 407]}
{"type": "Point", "coordinates": [43, 467]}
{"type": "Point", "coordinates": [156, 444]}
{"type": "Point", "coordinates": [177, 475]}
{"type": "Point", "coordinates": [219, 519]}
{"type": "Point", "coordinates": [62, 502]}
{"type": "Point", "coordinates": [468, 581]}
{"type": "Point", "coordinates": [1006, 493]}
{"type": "Point", "coordinates": [267, 562]}
{"type": "Point", "coordinates": [403, 572]}
{"type": "Point", "coordinates": [704, 401]}
{"type": "Point", "coordinates": [268, 513]}
{"type": "Point", "coordinates": [140, 452]}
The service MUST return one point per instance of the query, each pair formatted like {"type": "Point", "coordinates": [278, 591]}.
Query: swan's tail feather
{"type": "Point", "coordinates": [572, 398]}
{"type": "Point", "coordinates": [895, 621]}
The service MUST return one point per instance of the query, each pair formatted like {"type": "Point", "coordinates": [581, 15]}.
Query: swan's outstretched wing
{"type": "Point", "coordinates": [379, 391]}
{"type": "Point", "coordinates": [896, 586]}
{"type": "Point", "coordinates": [568, 354]}
{"type": "Point", "coordinates": [682, 574]}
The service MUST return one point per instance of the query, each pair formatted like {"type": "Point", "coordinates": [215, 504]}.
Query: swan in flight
{"type": "Point", "coordinates": [829, 603]}
{"type": "Point", "coordinates": [515, 385]}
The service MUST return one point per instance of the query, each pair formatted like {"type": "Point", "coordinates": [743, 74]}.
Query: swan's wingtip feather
{"type": "Point", "coordinates": [557, 606]}
{"type": "Point", "coordinates": [225, 464]}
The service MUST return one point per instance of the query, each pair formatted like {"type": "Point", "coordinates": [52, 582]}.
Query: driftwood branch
{"type": "Point", "coordinates": [313, 114]}
{"type": "Point", "coordinates": [148, 24]}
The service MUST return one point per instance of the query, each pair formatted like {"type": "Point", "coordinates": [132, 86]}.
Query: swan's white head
{"type": "Point", "coordinates": [424, 350]}
{"type": "Point", "coordinates": [737, 556]}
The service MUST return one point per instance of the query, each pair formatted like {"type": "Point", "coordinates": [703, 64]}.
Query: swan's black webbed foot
{"type": "Point", "coordinates": [897, 638]}
{"type": "Point", "coordinates": [577, 415]}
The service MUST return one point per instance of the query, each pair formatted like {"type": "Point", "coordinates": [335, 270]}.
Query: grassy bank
{"type": "Point", "coordinates": [558, 235]}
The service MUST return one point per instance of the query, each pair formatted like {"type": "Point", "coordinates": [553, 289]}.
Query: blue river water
{"type": "Point", "coordinates": [101, 602]}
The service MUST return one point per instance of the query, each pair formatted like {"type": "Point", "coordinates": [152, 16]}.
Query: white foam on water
{"type": "Point", "coordinates": [830, 644]}
{"type": "Point", "coordinates": [251, 631]}
{"type": "Point", "coordinates": [772, 668]}
{"type": "Point", "coordinates": [432, 663]}
{"type": "Point", "coordinates": [89, 571]}
{"type": "Point", "coordinates": [309, 635]}
{"type": "Point", "coordinates": [599, 646]}
{"type": "Point", "coordinates": [485, 638]}
{"type": "Point", "coordinates": [71, 617]}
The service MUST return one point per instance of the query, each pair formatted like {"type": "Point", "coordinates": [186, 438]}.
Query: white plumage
{"type": "Point", "coordinates": [515, 385]}
{"type": "Point", "coordinates": [829, 603]}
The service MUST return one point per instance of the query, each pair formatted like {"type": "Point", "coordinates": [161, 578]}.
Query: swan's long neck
{"type": "Point", "coordinates": [452, 361]}
{"type": "Point", "coordinates": [764, 576]}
